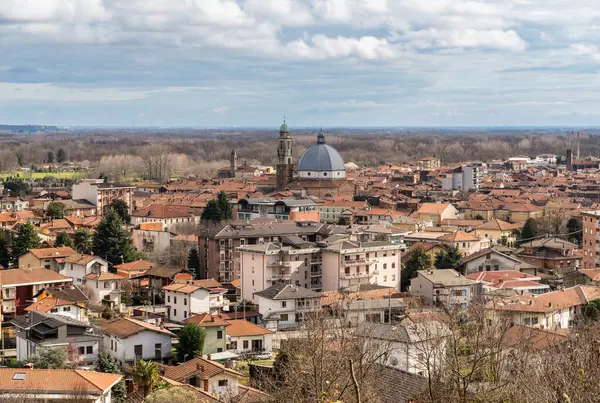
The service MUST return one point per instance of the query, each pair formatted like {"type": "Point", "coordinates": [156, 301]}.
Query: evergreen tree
{"type": "Point", "coordinates": [122, 210]}
{"type": "Point", "coordinates": [529, 230]}
{"type": "Point", "coordinates": [109, 365]}
{"type": "Point", "coordinates": [61, 155]}
{"type": "Point", "coordinates": [5, 247]}
{"type": "Point", "coordinates": [26, 238]}
{"type": "Point", "coordinates": [83, 240]}
{"type": "Point", "coordinates": [20, 158]}
{"type": "Point", "coordinates": [212, 212]}
{"type": "Point", "coordinates": [56, 210]}
{"type": "Point", "coordinates": [448, 259]}
{"type": "Point", "coordinates": [191, 342]}
{"type": "Point", "coordinates": [418, 259]}
{"type": "Point", "coordinates": [50, 157]}
{"type": "Point", "coordinates": [194, 263]}
{"type": "Point", "coordinates": [218, 209]}
{"type": "Point", "coordinates": [62, 239]}
{"type": "Point", "coordinates": [575, 225]}
{"type": "Point", "coordinates": [50, 358]}
{"type": "Point", "coordinates": [440, 260]}
{"type": "Point", "coordinates": [225, 207]}
{"type": "Point", "coordinates": [112, 242]}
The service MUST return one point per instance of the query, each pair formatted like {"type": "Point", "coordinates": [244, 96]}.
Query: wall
{"type": "Point", "coordinates": [86, 191]}
{"type": "Point", "coordinates": [161, 240]}
{"type": "Point", "coordinates": [182, 305]}
{"type": "Point", "coordinates": [267, 344]}
{"type": "Point", "coordinates": [125, 347]}
{"type": "Point", "coordinates": [211, 342]}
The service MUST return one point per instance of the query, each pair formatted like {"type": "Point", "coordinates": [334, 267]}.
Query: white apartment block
{"type": "Point", "coordinates": [464, 178]}
{"type": "Point", "coordinates": [187, 299]}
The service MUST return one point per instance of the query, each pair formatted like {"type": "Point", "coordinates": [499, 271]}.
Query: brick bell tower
{"type": "Point", "coordinates": [285, 168]}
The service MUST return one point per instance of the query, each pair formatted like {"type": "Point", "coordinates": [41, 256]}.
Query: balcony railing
{"type": "Point", "coordinates": [316, 261]}
{"type": "Point", "coordinates": [279, 263]}
{"type": "Point", "coordinates": [316, 273]}
{"type": "Point", "coordinates": [356, 275]}
{"type": "Point", "coordinates": [277, 277]}
{"type": "Point", "coordinates": [316, 286]}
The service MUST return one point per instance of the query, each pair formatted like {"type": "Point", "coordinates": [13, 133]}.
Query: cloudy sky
{"type": "Point", "coordinates": [318, 62]}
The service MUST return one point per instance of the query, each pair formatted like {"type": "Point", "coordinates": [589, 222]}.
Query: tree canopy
{"type": "Point", "coordinates": [172, 395]}
{"type": "Point", "coordinates": [218, 209]}
{"type": "Point", "coordinates": [418, 259]}
{"type": "Point", "coordinates": [5, 247]}
{"type": "Point", "coordinates": [191, 342]}
{"type": "Point", "coordinates": [63, 239]}
{"type": "Point", "coordinates": [26, 238]}
{"type": "Point", "coordinates": [56, 210]}
{"type": "Point", "coordinates": [448, 259]}
{"type": "Point", "coordinates": [530, 230]}
{"type": "Point", "coordinates": [50, 358]}
{"type": "Point", "coordinates": [61, 155]}
{"type": "Point", "coordinates": [83, 240]}
{"type": "Point", "coordinates": [193, 263]}
{"type": "Point", "coordinates": [145, 374]}
{"type": "Point", "coordinates": [107, 364]}
{"type": "Point", "coordinates": [122, 210]}
{"type": "Point", "coordinates": [113, 242]}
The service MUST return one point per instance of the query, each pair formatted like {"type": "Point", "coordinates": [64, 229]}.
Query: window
{"type": "Point", "coordinates": [106, 284]}
{"type": "Point", "coordinates": [222, 383]}
{"type": "Point", "coordinates": [185, 301]}
{"type": "Point", "coordinates": [53, 310]}
{"type": "Point", "coordinates": [283, 304]}
{"type": "Point", "coordinates": [174, 312]}
{"type": "Point", "coordinates": [112, 344]}
{"type": "Point", "coordinates": [175, 300]}
{"type": "Point", "coordinates": [138, 350]}
{"type": "Point", "coordinates": [347, 270]}
{"type": "Point", "coordinates": [89, 350]}
{"type": "Point", "coordinates": [67, 309]}
{"type": "Point", "coordinates": [219, 350]}
{"type": "Point", "coordinates": [185, 314]}
{"type": "Point", "coordinates": [284, 317]}
{"type": "Point", "coordinates": [168, 298]}
{"type": "Point", "coordinates": [245, 344]}
{"type": "Point", "coordinates": [384, 266]}
{"type": "Point", "coordinates": [393, 265]}
{"type": "Point", "coordinates": [219, 334]}
{"type": "Point", "coordinates": [384, 279]}
{"type": "Point", "coordinates": [393, 277]}
{"type": "Point", "coordinates": [157, 351]}
{"type": "Point", "coordinates": [81, 350]}
{"type": "Point", "coordinates": [253, 282]}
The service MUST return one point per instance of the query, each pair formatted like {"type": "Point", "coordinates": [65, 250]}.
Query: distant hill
{"type": "Point", "coordinates": [27, 128]}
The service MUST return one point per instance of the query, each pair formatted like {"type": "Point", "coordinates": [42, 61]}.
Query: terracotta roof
{"type": "Point", "coordinates": [137, 265]}
{"type": "Point", "coordinates": [105, 276]}
{"type": "Point", "coordinates": [497, 224]}
{"type": "Point", "coordinates": [208, 283]}
{"type": "Point", "coordinates": [236, 283]}
{"type": "Point", "coordinates": [529, 338]}
{"type": "Point", "coordinates": [182, 288]}
{"type": "Point", "coordinates": [241, 328]}
{"type": "Point", "coordinates": [433, 208]}
{"type": "Point", "coordinates": [47, 304]}
{"type": "Point", "coordinates": [161, 211]}
{"type": "Point", "coordinates": [55, 380]}
{"type": "Point", "coordinates": [81, 259]}
{"type": "Point", "coordinates": [127, 327]}
{"type": "Point", "coordinates": [206, 320]}
{"type": "Point", "coordinates": [458, 236]}
{"type": "Point", "coordinates": [198, 366]}
{"type": "Point", "coordinates": [499, 275]}
{"type": "Point", "coordinates": [45, 253]}
{"type": "Point", "coordinates": [548, 302]}
{"type": "Point", "coordinates": [593, 274]}
{"type": "Point", "coordinates": [186, 238]}
{"type": "Point", "coordinates": [31, 275]}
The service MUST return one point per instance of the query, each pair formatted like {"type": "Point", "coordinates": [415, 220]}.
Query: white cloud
{"type": "Point", "coordinates": [54, 93]}
{"type": "Point", "coordinates": [467, 38]}
{"type": "Point", "coordinates": [322, 47]}
{"type": "Point", "coordinates": [222, 110]}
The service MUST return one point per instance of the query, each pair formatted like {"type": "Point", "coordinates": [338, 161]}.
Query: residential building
{"type": "Point", "coordinates": [429, 163]}
{"type": "Point", "coordinates": [134, 269]}
{"type": "Point", "coordinates": [551, 254]}
{"type": "Point", "coordinates": [277, 209]}
{"type": "Point", "coordinates": [58, 306]}
{"type": "Point", "coordinates": [102, 194]}
{"type": "Point", "coordinates": [130, 340]}
{"type": "Point", "coordinates": [582, 277]}
{"type": "Point", "coordinates": [210, 376]}
{"type": "Point", "coordinates": [13, 204]}
{"type": "Point", "coordinates": [498, 231]}
{"type": "Point", "coordinates": [215, 329]}
{"type": "Point", "coordinates": [187, 298]}
{"type": "Point", "coordinates": [49, 258]}
{"type": "Point", "coordinates": [447, 287]}
{"type": "Point", "coordinates": [104, 289]}
{"type": "Point", "coordinates": [284, 306]}
{"type": "Point", "coordinates": [436, 212]}
{"type": "Point", "coordinates": [37, 330]}
{"type": "Point", "coordinates": [19, 286]}
{"type": "Point", "coordinates": [552, 310]}
{"type": "Point", "coordinates": [246, 337]}
{"type": "Point", "coordinates": [61, 385]}
{"type": "Point", "coordinates": [464, 178]}
{"type": "Point", "coordinates": [493, 259]}
{"type": "Point", "coordinates": [466, 243]}
{"type": "Point", "coordinates": [170, 217]}
{"type": "Point", "coordinates": [78, 266]}
{"type": "Point", "coordinates": [331, 210]}
{"type": "Point", "coordinates": [591, 239]}
{"type": "Point", "coordinates": [496, 282]}
{"type": "Point", "coordinates": [151, 238]}
{"type": "Point", "coordinates": [372, 304]}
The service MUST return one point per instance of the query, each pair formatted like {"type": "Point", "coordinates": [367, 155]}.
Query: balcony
{"type": "Point", "coordinates": [316, 286]}
{"type": "Point", "coordinates": [357, 262]}
{"type": "Point", "coordinates": [316, 273]}
{"type": "Point", "coordinates": [279, 277]}
{"type": "Point", "coordinates": [356, 275]}
{"type": "Point", "coordinates": [316, 261]}
{"type": "Point", "coordinates": [223, 304]}
{"type": "Point", "coordinates": [279, 263]}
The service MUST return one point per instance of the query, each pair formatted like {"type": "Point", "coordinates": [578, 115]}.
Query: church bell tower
{"type": "Point", "coordinates": [285, 168]}
{"type": "Point", "coordinates": [233, 163]}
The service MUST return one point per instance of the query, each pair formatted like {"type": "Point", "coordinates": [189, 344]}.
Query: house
{"type": "Point", "coordinates": [465, 242]}
{"type": "Point", "coordinates": [331, 210]}
{"type": "Point", "coordinates": [514, 280]}
{"type": "Point", "coordinates": [71, 294]}
{"type": "Point", "coordinates": [104, 289]}
{"type": "Point", "coordinates": [412, 347]}
{"type": "Point", "coordinates": [430, 248]}
{"type": "Point", "coordinates": [245, 337]}
{"type": "Point", "coordinates": [59, 307]}
{"type": "Point", "coordinates": [64, 385]}
{"type": "Point", "coordinates": [169, 217]}
{"type": "Point", "coordinates": [554, 254]}
{"type": "Point", "coordinates": [208, 375]}
{"type": "Point", "coordinates": [283, 306]}
{"type": "Point", "coordinates": [101, 194]}
{"type": "Point", "coordinates": [37, 330]}
{"type": "Point", "coordinates": [187, 298]}
{"type": "Point", "coordinates": [151, 238]}
{"type": "Point", "coordinates": [130, 340]}
{"type": "Point", "coordinates": [215, 329]}
{"type": "Point", "coordinates": [582, 277]}
{"type": "Point", "coordinates": [134, 269]}
{"type": "Point", "coordinates": [20, 285]}
{"type": "Point", "coordinates": [447, 287]}
{"type": "Point", "coordinates": [49, 258]}
{"type": "Point", "coordinates": [278, 209]}
{"type": "Point", "coordinates": [78, 266]}
{"type": "Point", "coordinates": [436, 212]}
{"type": "Point", "coordinates": [493, 259]}
{"type": "Point", "coordinates": [499, 231]}
{"type": "Point", "coordinates": [13, 204]}
{"type": "Point", "coordinates": [551, 310]}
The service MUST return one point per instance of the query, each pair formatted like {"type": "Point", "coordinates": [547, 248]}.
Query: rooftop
{"type": "Point", "coordinates": [55, 381]}
{"type": "Point", "coordinates": [446, 277]}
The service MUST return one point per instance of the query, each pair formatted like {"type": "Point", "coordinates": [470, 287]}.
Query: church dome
{"type": "Point", "coordinates": [284, 128]}
{"type": "Point", "coordinates": [321, 161]}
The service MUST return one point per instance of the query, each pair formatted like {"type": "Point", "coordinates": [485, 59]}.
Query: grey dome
{"type": "Point", "coordinates": [321, 157]}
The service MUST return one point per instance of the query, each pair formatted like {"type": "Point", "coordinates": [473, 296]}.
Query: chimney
{"type": "Point", "coordinates": [208, 357]}
{"type": "Point", "coordinates": [129, 385]}
{"type": "Point", "coordinates": [206, 384]}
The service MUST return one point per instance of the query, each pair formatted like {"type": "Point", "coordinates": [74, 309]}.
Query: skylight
{"type": "Point", "coordinates": [19, 376]}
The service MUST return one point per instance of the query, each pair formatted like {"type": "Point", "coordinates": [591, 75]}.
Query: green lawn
{"type": "Point", "coordinates": [41, 175]}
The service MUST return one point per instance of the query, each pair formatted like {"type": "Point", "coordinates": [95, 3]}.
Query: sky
{"type": "Point", "coordinates": [316, 62]}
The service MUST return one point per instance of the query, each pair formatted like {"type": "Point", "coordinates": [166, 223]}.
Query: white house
{"type": "Point", "coordinates": [59, 307]}
{"type": "Point", "coordinates": [104, 288]}
{"type": "Point", "coordinates": [130, 340]}
{"type": "Point", "coordinates": [283, 306]}
{"type": "Point", "coordinates": [80, 265]}
{"type": "Point", "coordinates": [190, 297]}
{"type": "Point", "coordinates": [246, 337]}
{"type": "Point", "coordinates": [24, 385]}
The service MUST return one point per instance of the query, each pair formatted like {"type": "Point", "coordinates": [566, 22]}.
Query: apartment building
{"type": "Point", "coordinates": [278, 209]}
{"type": "Point", "coordinates": [192, 297]}
{"type": "Point", "coordinates": [218, 247]}
{"type": "Point", "coordinates": [320, 266]}
{"type": "Point", "coordinates": [447, 287]}
{"type": "Point", "coordinates": [49, 258]}
{"type": "Point", "coordinates": [429, 163]}
{"type": "Point", "coordinates": [464, 178]}
{"type": "Point", "coordinates": [591, 239]}
{"type": "Point", "coordinates": [552, 255]}
{"type": "Point", "coordinates": [101, 194]}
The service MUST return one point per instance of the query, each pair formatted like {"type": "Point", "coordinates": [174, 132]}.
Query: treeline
{"type": "Point", "coordinates": [365, 148]}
